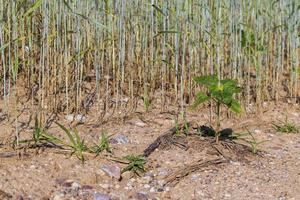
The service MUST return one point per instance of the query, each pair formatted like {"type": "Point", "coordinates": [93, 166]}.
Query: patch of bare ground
{"type": "Point", "coordinates": [184, 166]}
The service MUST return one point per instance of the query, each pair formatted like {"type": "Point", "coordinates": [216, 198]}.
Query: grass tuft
{"type": "Point", "coordinates": [286, 127]}
{"type": "Point", "coordinates": [136, 164]}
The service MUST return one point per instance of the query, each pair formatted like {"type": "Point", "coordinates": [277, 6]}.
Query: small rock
{"type": "Point", "coordinates": [70, 118]}
{"type": "Point", "coordinates": [59, 197]}
{"type": "Point", "coordinates": [112, 170]}
{"type": "Point", "coordinates": [78, 118]}
{"type": "Point", "coordinates": [120, 139]}
{"type": "Point", "coordinates": [141, 196]}
{"type": "Point", "coordinates": [104, 186]}
{"type": "Point", "coordinates": [200, 193]}
{"type": "Point", "coordinates": [257, 131]}
{"type": "Point", "coordinates": [101, 196]}
{"type": "Point", "coordinates": [149, 174]}
{"type": "Point", "coordinates": [140, 124]}
{"type": "Point", "coordinates": [76, 186]}
{"type": "Point", "coordinates": [19, 197]}
{"type": "Point", "coordinates": [195, 177]}
{"type": "Point", "coordinates": [33, 167]}
{"type": "Point", "coordinates": [146, 186]}
{"type": "Point", "coordinates": [163, 172]}
{"type": "Point", "coordinates": [152, 190]}
{"type": "Point", "coordinates": [120, 100]}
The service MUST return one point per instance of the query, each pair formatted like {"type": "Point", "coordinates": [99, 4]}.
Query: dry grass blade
{"type": "Point", "coordinates": [200, 165]}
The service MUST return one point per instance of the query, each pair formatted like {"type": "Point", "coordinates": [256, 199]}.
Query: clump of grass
{"type": "Point", "coordinates": [135, 164]}
{"type": "Point", "coordinates": [252, 141]}
{"type": "Point", "coordinates": [286, 127]}
{"type": "Point", "coordinates": [76, 143]}
{"type": "Point", "coordinates": [40, 137]}
{"type": "Point", "coordinates": [103, 145]}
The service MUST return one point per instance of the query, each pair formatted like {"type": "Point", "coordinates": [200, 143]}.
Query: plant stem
{"type": "Point", "coordinates": [218, 122]}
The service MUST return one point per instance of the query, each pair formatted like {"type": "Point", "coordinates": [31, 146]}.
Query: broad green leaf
{"type": "Point", "coordinates": [201, 97]}
{"type": "Point", "coordinates": [231, 86]}
{"type": "Point", "coordinates": [227, 98]}
{"type": "Point", "coordinates": [235, 106]}
{"type": "Point", "coordinates": [209, 80]}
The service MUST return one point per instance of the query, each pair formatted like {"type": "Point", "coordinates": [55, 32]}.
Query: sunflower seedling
{"type": "Point", "coordinates": [221, 92]}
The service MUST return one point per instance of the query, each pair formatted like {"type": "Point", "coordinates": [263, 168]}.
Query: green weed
{"type": "Point", "coordinates": [136, 164]}
{"type": "Point", "coordinates": [76, 144]}
{"type": "Point", "coordinates": [252, 141]}
{"type": "Point", "coordinates": [103, 145]}
{"type": "Point", "coordinates": [40, 136]}
{"type": "Point", "coordinates": [286, 127]}
{"type": "Point", "coordinates": [147, 102]}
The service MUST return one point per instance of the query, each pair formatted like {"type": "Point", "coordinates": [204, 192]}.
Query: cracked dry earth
{"type": "Point", "coordinates": [47, 174]}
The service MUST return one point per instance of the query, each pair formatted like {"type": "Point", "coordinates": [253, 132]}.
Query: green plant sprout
{"type": "Point", "coordinates": [286, 127]}
{"type": "Point", "coordinates": [221, 92]}
{"type": "Point", "coordinates": [40, 137]}
{"type": "Point", "coordinates": [77, 144]}
{"type": "Point", "coordinates": [135, 164]}
{"type": "Point", "coordinates": [186, 127]}
{"type": "Point", "coordinates": [103, 145]}
{"type": "Point", "coordinates": [252, 141]}
{"type": "Point", "coordinates": [146, 99]}
{"type": "Point", "coordinates": [147, 102]}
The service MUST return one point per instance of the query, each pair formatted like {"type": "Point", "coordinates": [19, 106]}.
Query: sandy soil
{"type": "Point", "coordinates": [47, 174]}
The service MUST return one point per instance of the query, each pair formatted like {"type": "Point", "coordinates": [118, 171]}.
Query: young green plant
{"type": "Point", "coordinates": [286, 127]}
{"type": "Point", "coordinates": [40, 137]}
{"type": "Point", "coordinates": [103, 145]}
{"type": "Point", "coordinates": [135, 164]}
{"type": "Point", "coordinates": [221, 92]}
{"type": "Point", "coordinates": [252, 141]}
{"type": "Point", "coordinates": [76, 144]}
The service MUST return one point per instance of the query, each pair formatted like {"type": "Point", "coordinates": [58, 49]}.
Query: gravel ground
{"type": "Point", "coordinates": [47, 174]}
